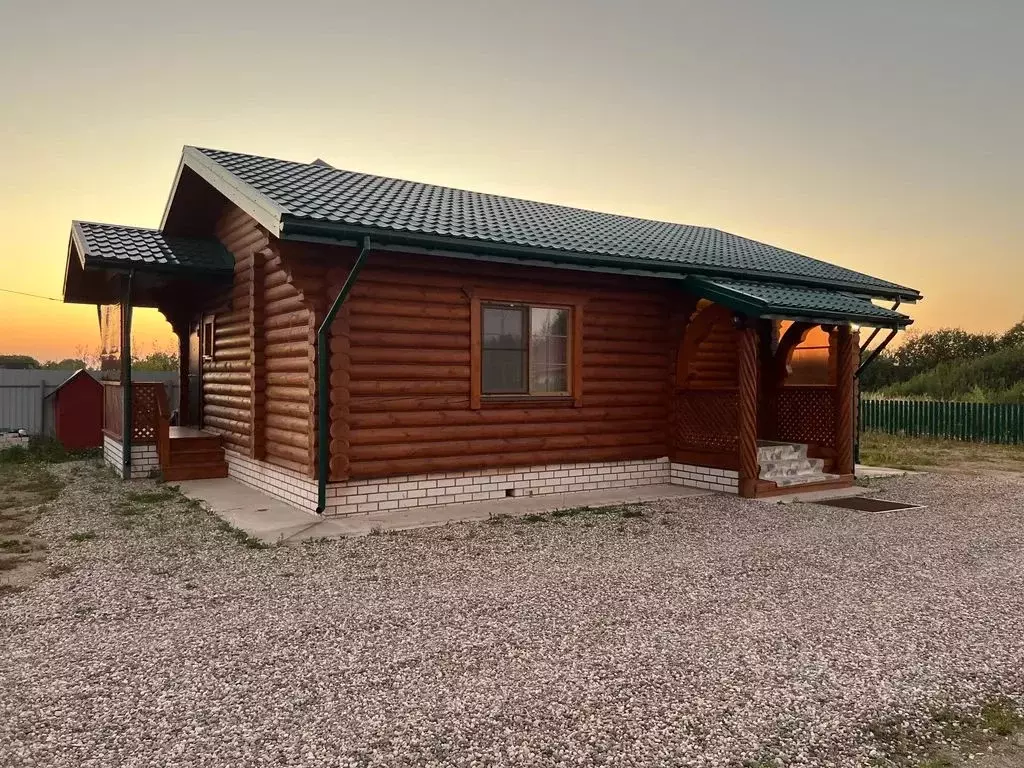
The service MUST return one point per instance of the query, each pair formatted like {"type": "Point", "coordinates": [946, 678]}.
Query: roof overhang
{"type": "Point", "coordinates": [100, 254]}
{"type": "Point", "coordinates": [196, 169]}
{"type": "Point", "coordinates": [788, 302]}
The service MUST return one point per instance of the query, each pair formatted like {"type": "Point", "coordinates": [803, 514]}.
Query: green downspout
{"type": "Point", "coordinates": [323, 379]}
{"type": "Point", "coordinates": [126, 377]}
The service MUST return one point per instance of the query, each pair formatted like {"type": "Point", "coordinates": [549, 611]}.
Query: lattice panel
{"type": "Point", "coordinates": [145, 412]}
{"type": "Point", "coordinates": [806, 415]}
{"type": "Point", "coordinates": [705, 420]}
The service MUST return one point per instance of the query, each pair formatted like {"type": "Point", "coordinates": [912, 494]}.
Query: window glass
{"type": "Point", "coordinates": [503, 362]}
{"type": "Point", "coordinates": [549, 350]}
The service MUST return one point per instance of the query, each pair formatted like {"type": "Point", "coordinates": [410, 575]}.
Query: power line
{"type": "Point", "coordinates": [31, 295]}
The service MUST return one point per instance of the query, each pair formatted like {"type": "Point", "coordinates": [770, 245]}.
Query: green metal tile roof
{"type": "Point", "coordinates": [110, 245]}
{"type": "Point", "coordinates": [305, 200]}
{"type": "Point", "coordinates": [796, 303]}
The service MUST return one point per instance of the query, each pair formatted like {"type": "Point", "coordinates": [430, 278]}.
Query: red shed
{"type": "Point", "coordinates": [78, 412]}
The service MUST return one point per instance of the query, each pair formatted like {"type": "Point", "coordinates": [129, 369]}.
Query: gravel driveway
{"type": "Point", "coordinates": [709, 632]}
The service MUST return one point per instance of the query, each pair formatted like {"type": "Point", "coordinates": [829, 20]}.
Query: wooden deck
{"type": "Point", "coordinates": [193, 455]}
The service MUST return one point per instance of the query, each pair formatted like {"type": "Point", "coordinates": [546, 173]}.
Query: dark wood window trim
{"type": "Point", "coordinates": [575, 303]}
{"type": "Point", "coordinates": [208, 338]}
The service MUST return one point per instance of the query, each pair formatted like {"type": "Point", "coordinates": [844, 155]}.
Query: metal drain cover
{"type": "Point", "coordinates": [866, 504]}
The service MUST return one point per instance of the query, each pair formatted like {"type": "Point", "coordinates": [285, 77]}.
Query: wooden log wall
{"type": "Point", "coordinates": [715, 362]}
{"type": "Point", "coordinates": [400, 382]}
{"type": "Point", "coordinates": [228, 384]}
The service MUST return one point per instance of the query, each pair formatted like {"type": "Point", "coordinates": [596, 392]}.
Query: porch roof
{"type": "Point", "coordinates": [96, 252]}
{"type": "Point", "coordinates": [785, 302]}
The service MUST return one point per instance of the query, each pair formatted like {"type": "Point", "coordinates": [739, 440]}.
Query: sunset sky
{"type": "Point", "coordinates": [884, 136]}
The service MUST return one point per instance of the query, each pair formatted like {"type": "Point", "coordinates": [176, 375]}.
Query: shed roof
{"type": "Point", "coordinates": [148, 249]}
{"type": "Point", "coordinates": [796, 303]}
{"type": "Point", "coordinates": [316, 201]}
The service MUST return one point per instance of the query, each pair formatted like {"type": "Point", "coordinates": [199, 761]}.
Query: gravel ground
{"type": "Point", "coordinates": [709, 632]}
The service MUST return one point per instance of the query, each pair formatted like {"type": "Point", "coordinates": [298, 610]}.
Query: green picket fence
{"type": "Point", "coordinates": [970, 422]}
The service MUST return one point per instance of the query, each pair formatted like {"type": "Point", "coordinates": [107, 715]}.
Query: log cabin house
{"type": "Point", "coordinates": [352, 343]}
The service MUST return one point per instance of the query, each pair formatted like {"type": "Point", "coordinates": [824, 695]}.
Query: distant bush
{"type": "Point", "coordinates": [995, 378]}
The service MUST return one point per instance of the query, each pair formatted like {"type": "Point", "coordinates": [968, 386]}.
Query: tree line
{"type": "Point", "coordinates": [952, 364]}
{"type": "Point", "coordinates": [154, 361]}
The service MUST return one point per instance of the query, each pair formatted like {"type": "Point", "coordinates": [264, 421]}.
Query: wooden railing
{"type": "Point", "coordinates": [805, 414]}
{"type": "Point", "coordinates": [163, 428]}
{"type": "Point", "coordinates": [148, 398]}
{"type": "Point", "coordinates": [705, 427]}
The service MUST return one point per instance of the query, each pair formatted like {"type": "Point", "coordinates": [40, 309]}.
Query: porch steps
{"type": "Point", "coordinates": [194, 455]}
{"type": "Point", "coordinates": [787, 465]}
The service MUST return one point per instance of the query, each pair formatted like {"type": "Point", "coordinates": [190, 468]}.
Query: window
{"type": "Point", "coordinates": [208, 339]}
{"type": "Point", "coordinates": [525, 350]}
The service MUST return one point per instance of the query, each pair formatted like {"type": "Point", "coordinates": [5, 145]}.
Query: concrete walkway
{"type": "Point", "coordinates": [276, 522]}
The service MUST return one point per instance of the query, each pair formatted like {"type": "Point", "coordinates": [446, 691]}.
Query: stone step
{"type": "Point", "coordinates": [772, 451]}
{"type": "Point", "coordinates": [819, 477]}
{"type": "Point", "coordinates": [790, 468]}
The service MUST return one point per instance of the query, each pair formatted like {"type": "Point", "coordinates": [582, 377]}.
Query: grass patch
{"type": "Point", "coordinates": [44, 450]}
{"type": "Point", "coordinates": [83, 536]}
{"type": "Point", "coordinates": [884, 450]}
{"type": "Point", "coordinates": [954, 737]}
{"type": "Point", "coordinates": [243, 538]}
{"type": "Point", "coordinates": [533, 518]}
{"type": "Point", "coordinates": [154, 496]}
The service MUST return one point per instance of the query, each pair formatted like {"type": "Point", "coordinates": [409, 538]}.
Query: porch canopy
{"type": "Point", "coordinates": [778, 301]}
{"type": "Point", "coordinates": [137, 267]}
{"type": "Point", "coordinates": [165, 270]}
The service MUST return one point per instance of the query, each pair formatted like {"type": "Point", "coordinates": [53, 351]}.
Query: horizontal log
{"type": "Point", "coordinates": [366, 322]}
{"type": "Point", "coordinates": [472, 432]}
{"type": "Point", "coordinates": [622, 333]}
{"type": "Point", "coordinates": [287, 379]}
{"type": "Point", "coordinates": [298, 407]}
{"type": "Point", "coordinates": [287, 437]}
{"type": "Point", "coordinates": [360, 354]}
{"type": "Point", "coordinates": [602, 386]}
{"type": "Point", "coordinates": [414, 339]}
{"type": "Point", "coordinates": [600, 306]}
{"type": "Point", "coordinates": [226, 383]}
{"type": "Point", "coordinates": [228, 355]}
{"type": "Point", "coordinates": [299, 318]}
{"type": "Point", "coordinates": [228, 318]}
{"type": "Point", "coordinates": [292, 333]}
{"type": "Point", "coordinates": [300, 349]}
{"type": "Point", "coordinates": [387, 291]}
{"type": "Point", "coordinates": [423, 450]}
{"type": "Point", "coordinates": [224, 343]}
{"type": "Point", "coordinates": [458, 312]}
{"type": "Point", "coordinates": [228, 400]}
{"type": "Point", "coordinates": [284, 364]}
{"type": "Point", "coordinates": [273, 275]}
{"type": "Point", "coordinates": [227, 425]}
{"type": "Point", "coordinates": [288, 422]}
{"type": "Point", "coordinates": [239, 415]}
{"type": "Point", "coordinates": [286, 463]}
{"type": "Point", "coordinates": [290, 394]}
{"type": "Point", "coordinates": [376, 403]}
{"type": "Point", "coordinates": [214, 368]}
{"type": "Point", "coordinates": [282, 290]}
{"type": "Point", "coordinates": [638, 323]}
{"type": "Point", "coordinates": [371, 469]}
{"type": "Point", "coordinates": [398, 387]}
{"type": "Point", "coordinates": [297, 458]}
{"type": "Point", "coordinates": [624, 359]}
{"type": "Point", "coordinates": [623, 373]}
{"type": "Point", "coordinates": [229, 330]}
{"type": "Point", "coordinates": [639, 346]}
{"type": "Point", "coordinates": [419, 372]}
{"type": "Point", "coordinates": [284, 305]}
{"type": "Point", "coordinates": [431, 417]}
{"type": "Point", "coordinates": [624, 399]}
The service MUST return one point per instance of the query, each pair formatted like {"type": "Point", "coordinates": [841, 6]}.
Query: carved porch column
{"type": "Point", "coordinates": [747, 351]}
{"type": "Point", "coordinates": [848, 357]}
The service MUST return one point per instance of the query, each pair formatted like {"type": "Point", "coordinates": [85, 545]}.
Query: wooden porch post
{"type": "Point", "coordinates": [748, 396]}
{"type": "Point", "coordinates": [848, 356]}
{"type": "Point", "coordinates": [127, 425]}
{"type": "Point", "coordinates": [181, 329]}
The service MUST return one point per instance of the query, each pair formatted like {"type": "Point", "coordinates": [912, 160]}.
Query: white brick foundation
{"type": "Point", "coordinates": [145, 462]}
{"type": "Point", "coordinates": [392, 493]}
{"type": "Point", "coordinates": [709, 478]}
{"type": "Point", "coordinates": [385, 494]}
